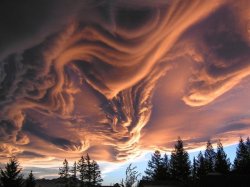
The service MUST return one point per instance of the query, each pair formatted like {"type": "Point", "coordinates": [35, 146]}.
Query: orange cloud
{"type": "Point", "coordinates": [127, 81]}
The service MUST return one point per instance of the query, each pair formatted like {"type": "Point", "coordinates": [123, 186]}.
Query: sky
{"type": "Point", "coordinates": [119, 79]}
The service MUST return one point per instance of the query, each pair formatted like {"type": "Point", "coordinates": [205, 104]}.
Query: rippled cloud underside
{"type": "Point", "coordinates": [116, 78]}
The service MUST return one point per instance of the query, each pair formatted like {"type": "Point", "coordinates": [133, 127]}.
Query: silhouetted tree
{"type": "Point", "coordinates": [201, 166]}
{"type": "Point", "coordinates": [194, 169]}
{"type": "Point", "coordinates": [241, 159]}
{"type": "Point", "coordinates": [117, 185]}
{"type": "Point", "coordinates": [155, 170]}
{"type": "Point", "coordinates": [131, 176]}
{"type": "Point", "coordinates": [248, 144]}
{"type": "Point", "coordinates": [81, 167]}
{"type": "Point", "coordinates": [96, 174]}
{"type": "Point", "coordinates": [248, 155]}
{"type": "Point", "coordinates": [0, 179]}
{"type": "Point", "coordinates": [209, 157]}
{"type": "Point", "coordinates": [166, 167]}
{"type": "Point", "coordinates": [89, 168]}
{"type": "Point", "coordinates": [30, 181]}
{"type": "Point", "coordinates": [179, 162]}
{"type": "Point", "coordinates": [64, 172]}
{"type": "Point", "coordinates": [11, 176]}
{"type": "Point", "coordinates": [121, 183]}
{"type": "Point", "coordinates": [222, 163]}
{"type": "Point", "coordinates": [73, 176]}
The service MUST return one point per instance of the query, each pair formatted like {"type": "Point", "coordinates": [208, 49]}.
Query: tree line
{"type": "Point", "coordinates": [89, 173]}
{"type": "Point", "coordinates": [179, 167]}
{"type": "Point", "coordinates": [12, 175]}
{"type": "Point", "coordinates": [84, 173]}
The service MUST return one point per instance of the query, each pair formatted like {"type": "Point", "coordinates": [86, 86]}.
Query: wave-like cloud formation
{"type": "Point", "coordinates": [89, 85]}
{"type": "Point", "coordinates": [224, 52]}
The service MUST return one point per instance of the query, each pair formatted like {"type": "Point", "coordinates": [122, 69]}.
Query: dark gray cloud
{"type": "Point", "coordinates": [233, 127]}
{"type": "Point", "coordinates": [29, 154]}
{"type": "Point", "coordinates": [35, 129]}
{"type": "Point", "coordinates": [7, 130]}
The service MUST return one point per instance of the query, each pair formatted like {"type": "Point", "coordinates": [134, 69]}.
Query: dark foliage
{"type": "Point", "coordinates": [222, 163]}
{"type": "Point", "coordinates": [166, 167]}
{"type": "Point", "coordinates": [88, 170]}
{"type": "Point", "coordinates": [157, 168]}
{"type": "Point", "coordinates": [209, 157]}
{"type": "Point", "coordinates": [11, 175]}
{"type": "Point", "coordinates": [64, 173]}
{"type": "Point", "coordinates": [73, 176]}
{"type": "Point", "coordinates": [81, 168]}
{"type": "Point", "coordinates": [96, 174]}
{"type": "Point", "coordinates": [131, 177]}
{"type": "Point", "coordinates": [30, 181]}
{"type": "Point", "coordinates": [179, 162]}
{"type": "Point", "coordinates": [201, 166]}
{"type": "Point", "coordinates": [90, 173]}
{"type": "Point", "coordinates": [194, 169]}
{"type": "Point", "coordinates": [242, 159]}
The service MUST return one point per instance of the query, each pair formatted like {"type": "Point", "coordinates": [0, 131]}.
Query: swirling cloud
{"type": "Point", "coordinates": [225, 56]}
{"type": "Point", "coordinates": [103, 74]}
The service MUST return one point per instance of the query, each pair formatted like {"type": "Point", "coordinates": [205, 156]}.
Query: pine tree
{"type": "Point", "coordinates": [201, 166]}
{"type": "Point", "coordinates": [64, 172]}
{"type": "Point", "coordinates": [73, 176]}
{"type": "Point", "coordinates": [89, 168]}
{"type": "Point", "coordinates": [248, 155]}
{"type": "Point", "coordinates": [222, 163]}
{"type": "Point", "coordinates": [81, 167]}
{"type": "Point", "coordinates": [11, 176]}
{"type": "Point", "coordinates": [248, 144]}
{"type": "Point", "coordinates": [96, 174]}
{"type": "Point", "coordinates": [0, 178]}
{"type": "Point", "coordinates": [31, 181]}
{"type": "Point", "coordinates": [194, 169]}
{"type": "Point", "coordinates": [241, 159]}
{"type": "Point", "coordinates": [155, 169]}
{"type": "Point", "coordinates": [179, 162]}
{"type": "Point", "coordinates": [166, 167]}
{"type": "Point", "coordinates": [210, 157]}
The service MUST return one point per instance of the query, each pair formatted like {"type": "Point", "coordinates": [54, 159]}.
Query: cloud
{"type": "Point", "coordinates": [128, 78]}
{"type": "Point", "coordinates": [8, 150]}
{"type": "Point", "coordinates": [28, 154]}
{"type": "Point", "coordinates": [225, 57]}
